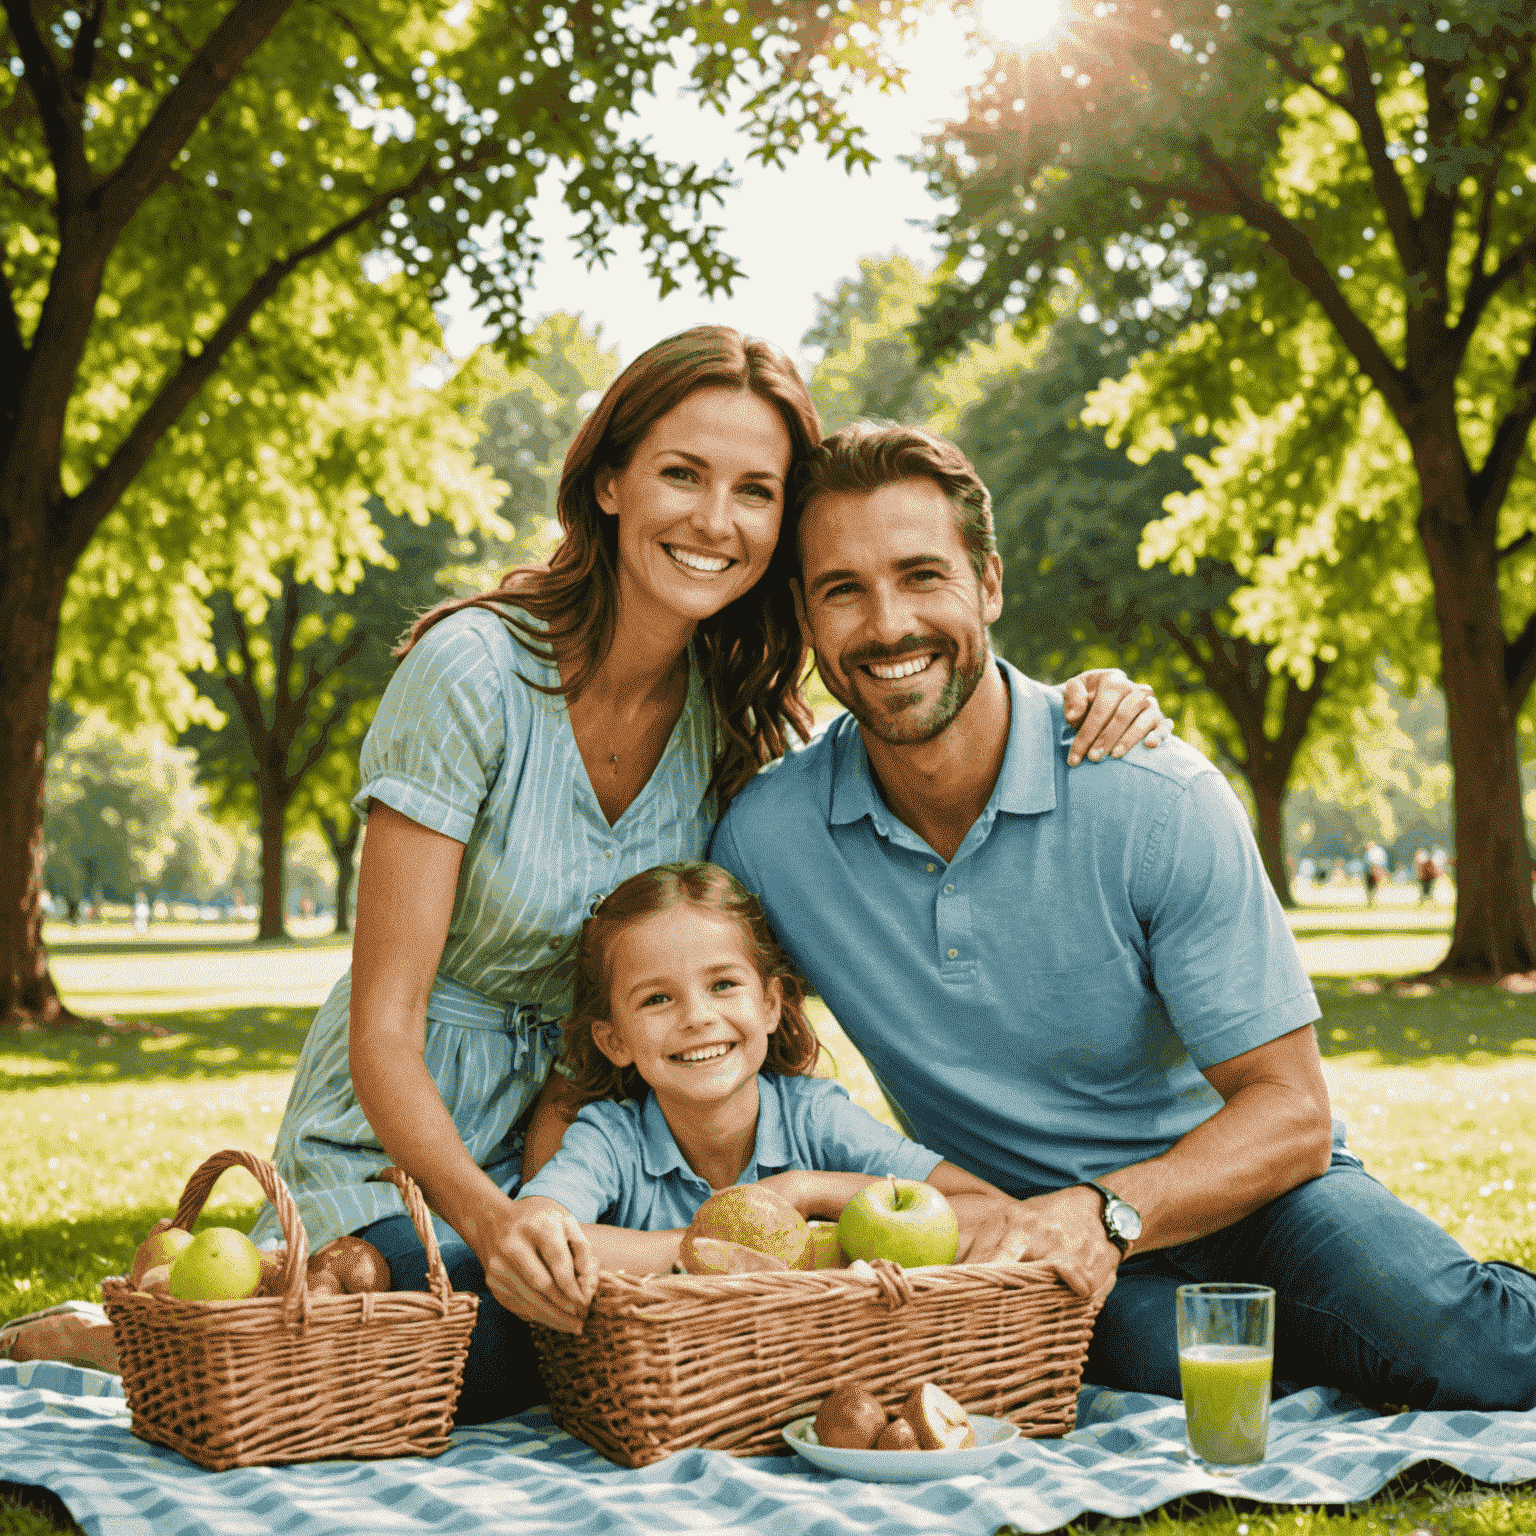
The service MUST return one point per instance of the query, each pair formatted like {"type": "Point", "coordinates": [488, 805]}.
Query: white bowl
{"type": "Point", "coordinates": [993, 1436]}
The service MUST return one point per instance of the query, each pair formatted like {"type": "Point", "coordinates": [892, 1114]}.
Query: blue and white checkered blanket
{"type": "Point", "coordinates": [68, 1430]}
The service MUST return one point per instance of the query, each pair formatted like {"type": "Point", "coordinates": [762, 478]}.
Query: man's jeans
{"type": "Point", "coordinates": [501, 1375]}
{"type": "Point", "coordinates": [1370, 1296]}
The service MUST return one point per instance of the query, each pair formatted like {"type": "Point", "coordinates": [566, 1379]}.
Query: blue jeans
{"type": "Point", "coordinates": [501, 1375]}
{"type": "Point", "coordinates": [1370, 1296]}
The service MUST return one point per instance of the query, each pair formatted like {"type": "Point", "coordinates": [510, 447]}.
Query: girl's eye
{"type": "Point", "coordinates": [655, 999]}
{"type": "Point", "coordinates": [725, 984]}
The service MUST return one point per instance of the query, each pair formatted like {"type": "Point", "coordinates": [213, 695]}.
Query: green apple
{"type": "Point", "coordinates": [902, 1220]}
{"type": "Point", "coordinates": [163, 1246]}
{"type": "Point", "coordinates": [219, 1264]}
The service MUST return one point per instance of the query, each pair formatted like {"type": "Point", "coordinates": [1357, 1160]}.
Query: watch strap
{"type": "Point", "coordinates": [1106, 1197]}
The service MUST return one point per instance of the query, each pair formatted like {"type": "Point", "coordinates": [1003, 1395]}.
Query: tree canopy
{"type": "Point", "coordinates": [215, 215]}
{"type": "Point", "coordinates": [1322, 215]}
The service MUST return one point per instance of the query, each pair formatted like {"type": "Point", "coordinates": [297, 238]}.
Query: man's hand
{"type": "Point", "coordinates": [540, 1266]}
{"type": "Point", "coordinates": [1122, 714]}
{"type": "Point", "coordinates": [1063, 1228]}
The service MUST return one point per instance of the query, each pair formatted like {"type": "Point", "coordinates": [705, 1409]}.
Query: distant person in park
{"type": "Point", "coordinates": [1081, 987]}
{"type": "Point", "coordinates": [1426, 872]}
{"type": "Point", "coordinates": [539, 743]}
{"type": "Point", "coordinates": [1374, 872]}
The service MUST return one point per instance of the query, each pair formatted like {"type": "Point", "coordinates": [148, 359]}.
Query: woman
{"type": "Point", "coordinates": [539, 744]}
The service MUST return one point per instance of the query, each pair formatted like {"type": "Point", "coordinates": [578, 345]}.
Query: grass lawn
{"type": "Point", "coordinates": [98, 1134]}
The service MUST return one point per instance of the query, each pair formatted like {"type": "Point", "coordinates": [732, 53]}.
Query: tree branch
{"type": "Point", "coordinates": [85, 511]}
{"type": "Point", "coordinates": [1388, 185]}
{"type": "Point", "coordinates": [82, 62]}
{"type": "Point", "coordinates": [1487, 489]}
{"type": "Point", "coordinates": [202, 82]}
{"type": "Point", "coordinates": [243, 688]}
{"type": "Point", "coordinates": [13, 358]}
{"type": "Point", "coordinates": [1300, 74]}
{"type": "Point", "coordinates": [1307, 268]}
{"type": "Point", "coordinates": [57, 107]}
{"type": "Point", "coordinates": [1516, 544]}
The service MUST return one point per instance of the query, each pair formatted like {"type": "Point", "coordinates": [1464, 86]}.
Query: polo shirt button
{"type": "Point", "coordinates": [932, 867]}
{"type": "Point", "coordinates": [954, 954]}
{"type": "Point", "coordinates": [949, 890]}
{"type": "Point", "coordinates": [555, 944]}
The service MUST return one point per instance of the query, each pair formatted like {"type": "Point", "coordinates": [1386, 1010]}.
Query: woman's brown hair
{"type": "Point", "coordinates": [792, 1048]}
{"type": "Point", "coordinates": [752, 653]}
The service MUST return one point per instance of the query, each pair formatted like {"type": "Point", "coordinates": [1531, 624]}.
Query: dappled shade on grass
{"type": "Point", "coordinates": [212, 1042]}
{"type": "Point", "coordinates": [1406, 1023]}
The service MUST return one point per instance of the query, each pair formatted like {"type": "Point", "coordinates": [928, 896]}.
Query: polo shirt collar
{"type": "Point", "coordinates": [662, 1155]}
{"type": "Point", "coordinates": [1026, 786]}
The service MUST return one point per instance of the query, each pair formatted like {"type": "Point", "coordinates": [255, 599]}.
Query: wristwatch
{"type": "Point", "coordinates": [1122, 1221]}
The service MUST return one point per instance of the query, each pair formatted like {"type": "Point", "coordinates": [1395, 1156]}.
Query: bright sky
{"type": "Point", "coordinates": [795, 232]}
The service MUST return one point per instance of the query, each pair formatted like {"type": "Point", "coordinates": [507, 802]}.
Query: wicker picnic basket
{"type": "Point", "coordinates": [296, 1377]}
{"type": "Point", "coordinates": [668, 1362]}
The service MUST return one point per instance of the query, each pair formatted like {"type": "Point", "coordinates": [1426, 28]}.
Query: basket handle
{"type": "Point", "coordinates": [421, 1218]}
{"type": "Point", "coordinates": [296, 1262]}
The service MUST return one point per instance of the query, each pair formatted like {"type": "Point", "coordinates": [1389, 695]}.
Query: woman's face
{"type": "Point", "coordinates": [699, 503]}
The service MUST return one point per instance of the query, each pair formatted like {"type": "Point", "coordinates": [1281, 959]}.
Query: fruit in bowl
{"type": "Point", "coordinates": [850, 1418]}
{"type": "Point", "coordinates": [937, 1420]}
{"type": "Point", "coordinates": [929, 1419]}
{"type": "Point", "coordinates": [903, 1220]}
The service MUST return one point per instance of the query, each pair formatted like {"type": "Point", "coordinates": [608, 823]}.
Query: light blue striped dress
{"type": "Point", "coordinates": [462, 745]}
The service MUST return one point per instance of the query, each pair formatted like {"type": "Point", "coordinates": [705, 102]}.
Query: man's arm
{"type": "Point", "coordinates": [1273, 1132]}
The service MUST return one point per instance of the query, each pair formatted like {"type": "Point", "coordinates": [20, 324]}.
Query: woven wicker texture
{"type": "Point", "coordinates": [667, 1362]}
{"type": "Point", "coordinates": [293, 1377]}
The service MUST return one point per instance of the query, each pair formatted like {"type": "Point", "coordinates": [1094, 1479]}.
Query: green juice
{"type": "Point", "coordinates": [1226, 1401]}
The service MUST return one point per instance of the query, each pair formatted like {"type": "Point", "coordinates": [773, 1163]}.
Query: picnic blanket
{"type": "Point", "coordinates": [67, 1430]}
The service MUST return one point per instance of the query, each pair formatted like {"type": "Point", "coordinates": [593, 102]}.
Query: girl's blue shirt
{"type": "Point", "coordinates": [620, 1165]}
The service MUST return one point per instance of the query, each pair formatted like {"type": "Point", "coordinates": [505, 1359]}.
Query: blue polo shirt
{"type": "Point", "coordinates": [1040, 1006]}
{"type": "Point", "coordinates": [620, 1165]}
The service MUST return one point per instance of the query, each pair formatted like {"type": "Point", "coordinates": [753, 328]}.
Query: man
{"type": "Point", "coordinates": [1062, 978]}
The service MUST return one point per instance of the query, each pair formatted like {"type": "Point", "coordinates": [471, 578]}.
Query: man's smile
{"type": "Point", "coordinates": [894, 671]}
{"type": "Point", "coordinates": [708, 565]}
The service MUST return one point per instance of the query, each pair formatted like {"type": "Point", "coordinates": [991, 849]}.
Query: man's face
{"type": "Point", "coordinates": [893, 608]}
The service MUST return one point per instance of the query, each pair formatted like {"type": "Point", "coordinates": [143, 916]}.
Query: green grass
{"type": "Point", "coordinates": [98, 1133]}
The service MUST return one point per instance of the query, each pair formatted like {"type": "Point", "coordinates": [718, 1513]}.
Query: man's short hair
{"type": "Point", "coordinates": [868, 455]}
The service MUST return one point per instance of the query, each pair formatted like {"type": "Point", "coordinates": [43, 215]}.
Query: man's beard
{"type": "Point", "coordinates": [899, 727]}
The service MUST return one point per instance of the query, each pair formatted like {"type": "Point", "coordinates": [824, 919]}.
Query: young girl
{"type": "Point", "coordinates": [688, 1040]}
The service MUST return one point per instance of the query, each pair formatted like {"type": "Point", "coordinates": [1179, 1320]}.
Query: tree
{"type": "Point", "coordinates": [298, 676]}
{"type": "Point", "coordinates": [125, 815]}
{"type": "Point", "coordinates": [192, 191]}
{"type": "Point", "coordinates": [1354, 173]}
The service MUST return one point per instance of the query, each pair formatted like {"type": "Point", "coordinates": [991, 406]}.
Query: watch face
{"type": "Point", "coordinates": [1124, 1219]}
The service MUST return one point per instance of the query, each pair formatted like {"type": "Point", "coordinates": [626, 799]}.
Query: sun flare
{"type": "Point", "coordinates": [1017, 24]}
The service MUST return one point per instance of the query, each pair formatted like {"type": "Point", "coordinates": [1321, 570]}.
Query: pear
{"type": "Point", "coordinates": [162, 1246]}
{"type": "Point", "coordinates": [850, 1418]}
{"type": "Point", "coordinates": [756, 1218]}
{"type": "Point", "coordinates": [898, 1435]}
{"type": "Point", "coordinates": [713, 1256]}
{"type": "Point", "coordinates": [938, 1421]}
{"type": "Point", "coordinates": [156, 1281]}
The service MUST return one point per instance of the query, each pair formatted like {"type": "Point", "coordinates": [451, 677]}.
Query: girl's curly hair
{"type": "Point", "coordinates": [792, 1048]}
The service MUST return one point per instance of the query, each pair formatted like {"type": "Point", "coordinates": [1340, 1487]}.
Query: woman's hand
{"type": "Point", "coordinates": [1122, 714]}
{"type": "Point", "coordinates": [539, 1264]}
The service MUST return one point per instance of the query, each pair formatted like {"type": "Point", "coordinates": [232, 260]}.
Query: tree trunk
{"type": "Point", "coordinates": [31, 593]}
{"type": "Point", "coordinates": [343, 850]}
{"type": "Point", "coordinates": [1495, 931]}
{"type": "Point", "coordinates": [1268, 787]}
{"type": "Point", "coordinates": [274, 815]}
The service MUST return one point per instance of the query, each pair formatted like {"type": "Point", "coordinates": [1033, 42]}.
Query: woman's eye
{"type": "Point", "coordinates": [679, 472]}
{"type": "Point", "coordinates": [757, 492]}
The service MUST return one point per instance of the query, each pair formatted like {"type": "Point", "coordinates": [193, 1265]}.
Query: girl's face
{"type": "Point", "coordinates": [699, 503]}
{"type": "Point", "coordinates": [687, 1007]}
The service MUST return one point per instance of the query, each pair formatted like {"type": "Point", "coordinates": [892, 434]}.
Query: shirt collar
{"type": "Point", "coordinates": [662, 1155]}
{"type": "Point", "coordinates": [1026, 786]}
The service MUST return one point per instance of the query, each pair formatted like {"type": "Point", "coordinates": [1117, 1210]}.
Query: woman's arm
{"type": "Point", "coordinates": [405, 893]}
{"type": "Point", "coordinates": [1122, 714]}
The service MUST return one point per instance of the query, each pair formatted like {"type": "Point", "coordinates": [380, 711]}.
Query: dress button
{"type": "Point", "coordinates": [949, 890]}
{"type": "Point", "coordinates": [954, 954]}
{"type": "Point", "coordinates": [608, 853]}
{"type": "Point", "coordinates": [932, 867]}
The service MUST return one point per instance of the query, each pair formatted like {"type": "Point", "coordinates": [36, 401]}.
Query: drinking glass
{"type": "Point", "coordinates": [1226, 1354]}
